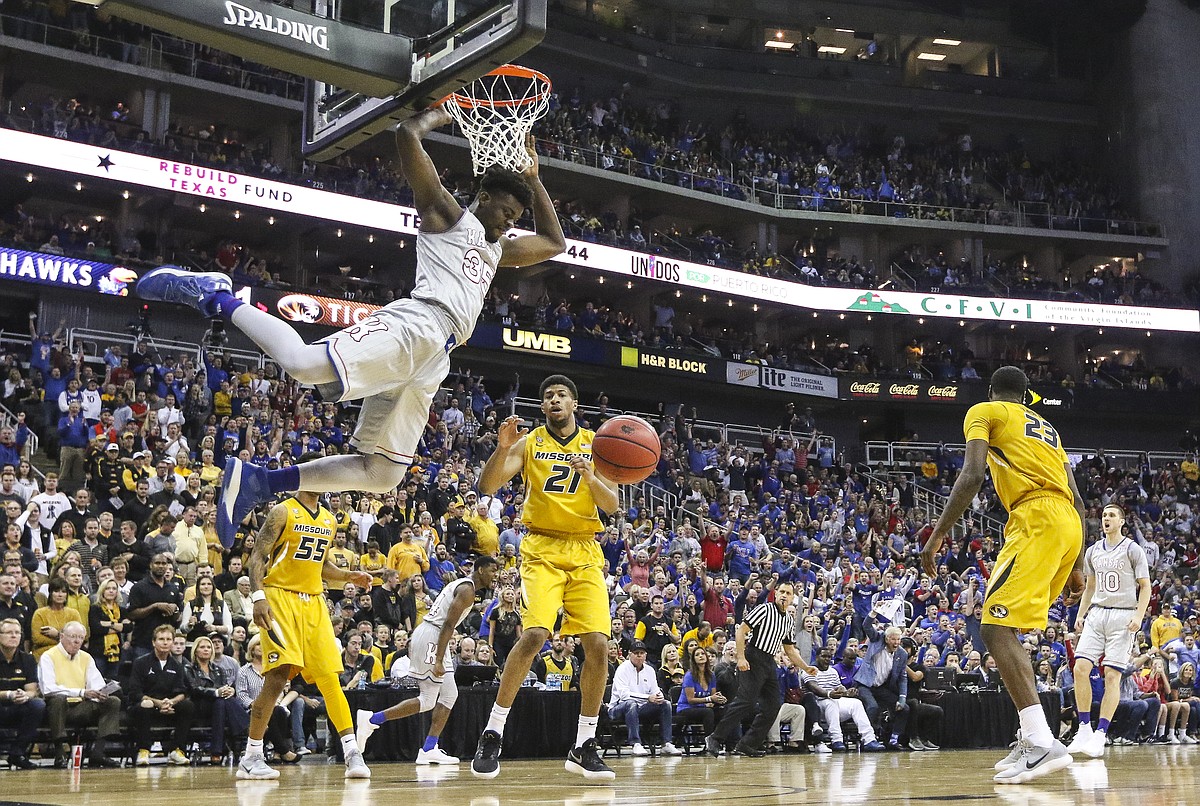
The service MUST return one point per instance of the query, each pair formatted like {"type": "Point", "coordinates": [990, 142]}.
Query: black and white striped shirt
{"type": "Point", "coordinates": [770, 628]}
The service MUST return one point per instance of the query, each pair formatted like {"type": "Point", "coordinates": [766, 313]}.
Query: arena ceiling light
{"type": "Point", "coordinates": [931, 57]}
{"type": "Point", "coordinates": [831, 49]}
{"type": "Point", "coordinates": [953, 43]}
{"type": "Point", "coordinates": [778, 44]}
{"type": "Point", "coordinates": [844, 30]}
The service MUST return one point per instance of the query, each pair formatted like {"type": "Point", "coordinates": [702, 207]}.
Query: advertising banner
{"type": "Point", "coordinates": [66, 272]}
{"type": "Point", "coordinates": [638, 267]}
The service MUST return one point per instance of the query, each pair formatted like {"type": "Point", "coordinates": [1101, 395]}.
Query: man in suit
{"type": "Point", "coordinates": [883, 680]}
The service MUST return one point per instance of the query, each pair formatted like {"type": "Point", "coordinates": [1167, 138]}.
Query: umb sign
{"type": "Point", "coordinates": [359, 59]}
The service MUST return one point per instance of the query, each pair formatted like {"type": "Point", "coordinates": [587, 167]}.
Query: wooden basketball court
{"type": "Point", "coordinates": [1153, 776]}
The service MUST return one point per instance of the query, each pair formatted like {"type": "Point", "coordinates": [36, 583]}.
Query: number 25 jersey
{"type": "Point", "coordinates": [1025, 453]}
{"type": "Point", "coordinates": [557, 500]}
{"type": "Point", "coordinates": [298, 556]}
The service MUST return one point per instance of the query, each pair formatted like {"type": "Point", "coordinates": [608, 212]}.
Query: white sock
{"type": "Point", "coordinates": [349, 744]}
{"type": "Point", "coordinates": [1034, 726]}
{"type": "Point", "coordinates": [586, 730]}
{"type": "Point", "coordinates": [254, 747]}
{"type": "Point", "coordinates": [497, 718]}
{"type": "Point", "coordinates": [1158, 730]}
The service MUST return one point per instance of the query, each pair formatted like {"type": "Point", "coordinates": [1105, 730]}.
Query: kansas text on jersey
{"type": "Point", "coordinates": [299, 552]}
{"type": "Point", "coordinates": [557, 501]}
{"type": "Point", "coordinates": [455, 269]}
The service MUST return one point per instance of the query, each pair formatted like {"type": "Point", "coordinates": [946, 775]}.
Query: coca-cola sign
{"type": "Point", "coordinates": [915, 391]}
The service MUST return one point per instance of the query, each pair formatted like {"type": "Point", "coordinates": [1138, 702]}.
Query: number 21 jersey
{"type": "Point", "coordinates": [557, 500]}
{"type": "Point", "coordinates": [1025, 453]}
{"type": "Point", "coordinates": [298, 556]}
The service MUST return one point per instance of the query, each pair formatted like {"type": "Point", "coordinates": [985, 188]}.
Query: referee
{"type": "Point", "coordinates": [765, 631]}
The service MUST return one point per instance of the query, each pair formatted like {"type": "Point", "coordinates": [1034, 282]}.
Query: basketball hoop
{"type": "Point", "coordinates": [497, 111]}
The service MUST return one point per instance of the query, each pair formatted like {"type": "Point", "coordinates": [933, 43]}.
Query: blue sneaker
{"type": "Point", "coordinates": [173, 284]}
{"type": "Point", "coordinates": [243, 487]}
{"type": "Point", "coordinates": [839, 747]}
{"type": "Point", "coordinates": [874, 747]}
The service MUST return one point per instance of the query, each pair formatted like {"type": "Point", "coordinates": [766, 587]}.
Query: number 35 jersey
{"type": "Point", "coordinates": [455, 269]}
{"type": "Point", "coordinates": [557, 500]}
{"type": "Point", "coordinates": [299, 552]}
{"type": "Point", "coordinates": [1025, 453]}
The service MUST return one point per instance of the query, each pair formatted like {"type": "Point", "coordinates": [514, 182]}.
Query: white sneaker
{"type": "Point", "coordinates": [177, 757]}
{"type": "Point", "coordinates": [669, 749]}
{"type": "Point", "coordinates": [1082, 739]}
{"type": "Point", "coordinates": [301, 750]}
{"type": "Point", "coordinates": [1174, 739]}
{"type": "Point", "coordinates": [355, 766]}
{"type": "Point", "coordinates": [1093, 747]}
{"type": "Point", "coordinates": [639, 750]}
{"type": "Point", "coordinates": [822, 748]}
{"type": "Point", "coordinates": [1034, 763]}
{"type": "Point", "coordinates": [1190, 739]}
{"type": "Point", "coordinates": [1014, 755]}
{"type": "Point", "coordinates": [435, 756]}
{"type": "Point", "coordinates": [365, 728]}
{"type": "Point", "coordinates": [254, 768]}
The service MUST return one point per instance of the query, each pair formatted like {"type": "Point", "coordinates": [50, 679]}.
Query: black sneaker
{"type": "Point", "coordinates": [712, 746]}
{"type": "Point", "coordinates": [486, 763]}
{"type": "Point", "coordinates": [749, 752]}
{"type": "Point", "coordinates": [21, 762]}
{"type": "Point", "coordinates": [585, 760]}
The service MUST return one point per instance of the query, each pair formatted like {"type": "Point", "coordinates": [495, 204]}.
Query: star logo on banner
{"type": "Point", "coordinates": [105, 162]}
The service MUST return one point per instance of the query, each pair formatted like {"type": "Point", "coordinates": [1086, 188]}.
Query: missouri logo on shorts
{"type": "Point", "coordinates": [998, 611]}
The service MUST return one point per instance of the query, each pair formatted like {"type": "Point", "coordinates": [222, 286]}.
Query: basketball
{"type": "Point", "coordinates": [626, 449]}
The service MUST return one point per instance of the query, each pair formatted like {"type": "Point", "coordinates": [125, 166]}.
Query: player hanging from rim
{"type": "Point", "coordinates": [432, 664]}
{"type": "Point", "coordinates": [395, 359]}
{"type": "Point", "coordinates": [1042, 552]}
{"type": "Point", "coordinates": [286, 569]}
{"type": "Point", "coordinates": [562, 566]}
{"type": "Point", "coordinates": [1114, 603]}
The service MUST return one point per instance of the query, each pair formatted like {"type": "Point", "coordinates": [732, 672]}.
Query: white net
{"type": "Point", "coordinates": [497, 112]}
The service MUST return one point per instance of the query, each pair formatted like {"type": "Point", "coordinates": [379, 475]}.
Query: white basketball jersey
{"type": "Point", "coordinates": [436, 617]}
{"type": "Point", "coordinates": [454, 271]}
{"type": "Point", "coordinates": [1116, 570]}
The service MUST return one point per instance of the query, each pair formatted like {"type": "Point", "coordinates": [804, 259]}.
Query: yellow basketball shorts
{"type": "Point", "coordinates": [563, 573]}
{"type": "Point", "coordinates": [301, 635]}
{"type": "Point", "coordinates": [1041, 541]}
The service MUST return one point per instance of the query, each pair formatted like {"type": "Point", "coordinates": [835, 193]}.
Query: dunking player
{"type": "Point", "coordinates": [1111, 611]}
{"type": "Point", "coordinates": [432, 665]}
{"type": "Point", "coordinates": [285, 570]}
{"type": "Point", "coordinates": [1041, 554]}
{"type": "Point", "coordinates": [561, 564]}
{"type": "Point", "coordinates": [395, 359]}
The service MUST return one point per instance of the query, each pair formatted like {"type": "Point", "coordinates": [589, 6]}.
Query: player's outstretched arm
{"type": "Point", "coordinates": [507, 460]}
{"type": "Point", "coordinates": [256, 569]}
{"type": "Point", "coordinates": [548, 240]}
{"type": "Point", "coordinates": [965, 487]}
{"type": "Point", "coordinates": [437, 208]}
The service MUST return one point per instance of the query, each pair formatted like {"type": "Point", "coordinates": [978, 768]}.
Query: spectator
{"type": "Point", "coordinates": [21, 707]}
{"type": "Point", "coordinates": [158, 695]}
{"type": "Point", "coordinates": [212, 689]}
{"type": "Point", "coordinates": [76, 696]}
{"type": "Point", "coordinates": [49, 621]}
{"type": "Point", "coordinates": [699, 700]}
{"type": "Point", "coordinates": [635, 694]}
{"type": "Point", "coordinates": [839, 703]}
{"type": "Point", "coordinates": [108, 629]}
{"type": "Point", "coordinates": [153, 603]}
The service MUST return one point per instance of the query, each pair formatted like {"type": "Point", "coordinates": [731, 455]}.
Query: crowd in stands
{"type": "Point", "coordinates": [115, 554]}
{"type": "Point", "coordinates": [90, 30]}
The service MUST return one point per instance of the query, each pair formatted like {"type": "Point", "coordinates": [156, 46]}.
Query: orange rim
{"type": "Point", "coordinates": [514, 70]}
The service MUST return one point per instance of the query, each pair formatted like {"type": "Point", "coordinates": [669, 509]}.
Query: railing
{"type": "Point", "coordinates": [895, 454]}
{"type": "Point", "coordinates": [847, 203]}
{"type": "Point", "coordinates": [163, 53]}
{"type": "Point", "coordinates": [92, 341]}
{"type": "Point", "coordinates": [933, 503]}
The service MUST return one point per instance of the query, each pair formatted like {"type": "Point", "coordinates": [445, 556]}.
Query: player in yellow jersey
{"type": "Point", "coordinates": [291, 557]}
{"type": "Point", "coordinates": [1042, 553]}
{"type": "Point", "coordinates": [561, 564]}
